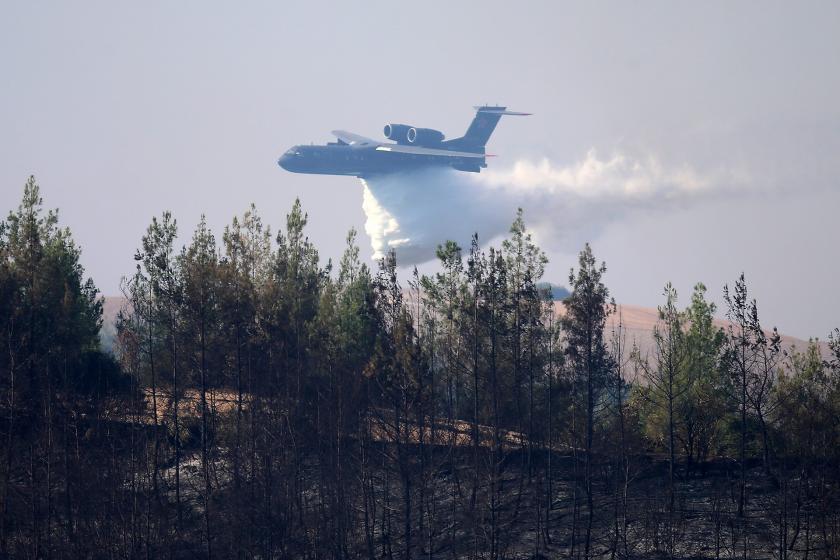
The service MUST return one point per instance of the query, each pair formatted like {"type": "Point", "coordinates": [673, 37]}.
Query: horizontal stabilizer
{"type": "Point", "coordinates": [501, 111]}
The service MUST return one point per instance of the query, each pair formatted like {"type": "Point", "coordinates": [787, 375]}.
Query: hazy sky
{"type": "Point", "coordinates": [122, 110]}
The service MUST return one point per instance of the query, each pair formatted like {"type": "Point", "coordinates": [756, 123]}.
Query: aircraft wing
{"type": "Point", "coordinates": [353, 139]}
{"type": "Point", "coordinates": [401, 149]}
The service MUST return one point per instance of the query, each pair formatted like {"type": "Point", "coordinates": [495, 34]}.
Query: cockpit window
{"type": "Point", "coordinates": [293, 152]}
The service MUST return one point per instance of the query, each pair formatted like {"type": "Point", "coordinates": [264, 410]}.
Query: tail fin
{"type": "Point", "coordinates": [482, 126]}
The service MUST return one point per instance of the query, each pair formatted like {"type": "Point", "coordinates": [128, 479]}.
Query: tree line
{"type": "Point", "coordinates": [260, 402]}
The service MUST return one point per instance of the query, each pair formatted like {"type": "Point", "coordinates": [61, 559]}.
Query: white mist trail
{"type": "Point", "coordinates": [563, 205]}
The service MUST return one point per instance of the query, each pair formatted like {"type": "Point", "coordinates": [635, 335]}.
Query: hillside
{"type": "Point", "coordinates": [638, 323]}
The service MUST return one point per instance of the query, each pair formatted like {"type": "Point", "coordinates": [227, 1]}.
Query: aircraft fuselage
{"type": "Point", "coordinates": [365, 161]}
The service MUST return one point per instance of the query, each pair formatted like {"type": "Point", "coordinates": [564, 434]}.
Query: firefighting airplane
{"type": "Point", "coordinates": [413, 148]}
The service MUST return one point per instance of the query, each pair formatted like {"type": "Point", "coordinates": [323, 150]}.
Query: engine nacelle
{"type": "Point", "coordinates": [424, 136]}
{"type": "Point", "coordinates": [397, 132]}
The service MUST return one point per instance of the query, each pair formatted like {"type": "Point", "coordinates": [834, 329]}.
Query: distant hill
{"type": "Point", "coordinates": [558, 293]}
{"type": "Point", "coordinates": [638, 322]}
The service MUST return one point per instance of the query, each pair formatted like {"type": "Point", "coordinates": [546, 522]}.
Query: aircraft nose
{"type": "Point", "coordinates": [290, 160]}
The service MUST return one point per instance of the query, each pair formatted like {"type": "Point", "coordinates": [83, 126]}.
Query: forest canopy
{"type": "Point", "coordinates": [263, 403]}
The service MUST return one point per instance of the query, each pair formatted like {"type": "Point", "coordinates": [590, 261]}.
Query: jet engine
{"type": "Point", "coordinates": [397, 132]}
{"type": "Point", "coordinates": [424, 136]}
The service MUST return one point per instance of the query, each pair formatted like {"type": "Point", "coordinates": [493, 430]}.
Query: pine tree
{"type": "Point", "coordinates": [56, 382]}
{"type": "Point", "coordinates": [199, 270]}
{"type": "Point", "coordinates": [667, 384]}
{"type": "Point", "coordinates": [703, 408]}
{"type": "Point", "coordinates": [586, 311]}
